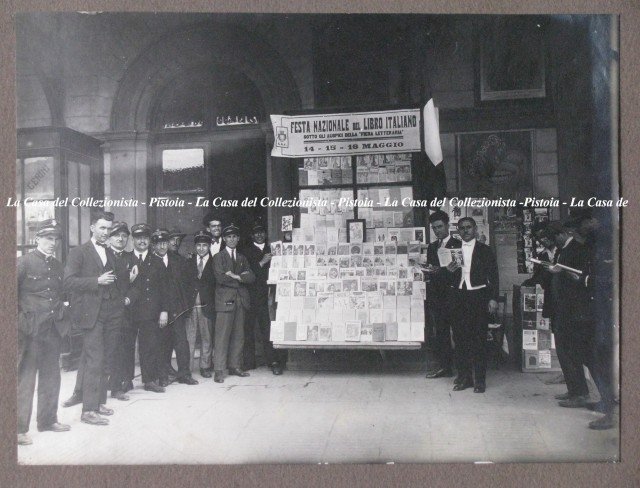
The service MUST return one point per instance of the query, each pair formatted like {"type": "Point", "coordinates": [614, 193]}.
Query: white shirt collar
{"type": "Point", "coordinates": [229, 250]}
{"type": "Point", "coordinates": [259, 246]}
{"type": "Point", "coordinates": [143, 254]}
{"type": "Point", "coordinates": [471, 243]}
{"type": "Point", "coordinates": [204, 258]}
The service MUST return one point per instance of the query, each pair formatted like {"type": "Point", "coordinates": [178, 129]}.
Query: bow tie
{"type": "Point", "coordinates": [104, 246]}
{"type": "Point", "coordinates": [215, 241]}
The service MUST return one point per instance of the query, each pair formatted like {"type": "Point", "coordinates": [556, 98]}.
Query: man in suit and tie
{"type": "Point", "coordinates": [258, 253]}
{"type": "Point", "coordinates": [147, 311]}
{"type": "Point", "coordinates": [439, 297]}
{"type": "Point", "coordinates": [174, 335]}
{"type": "Point", "coordinates": [201, 303]}
{"type": "Point", "coordinates": [41, 326]}
{"type": "Point", "coordinates": [213, 223]}
{"type": "Point", "coordinates": [97, 306]}
{"type": "Point", "coordinates": [475, 288]}
{"type": "Point", "coordinates": [175, 240]}
{"type": "Point", "coordinates": [233, 274]}
{"type": "Point", "coordinates": [119, 236]}
{"type": "Point", "coordinates": [572, 319]}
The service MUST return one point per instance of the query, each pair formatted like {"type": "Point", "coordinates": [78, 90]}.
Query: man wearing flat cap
{"type": "Point", "coordinates": [41, 326]}
{"type": "Point", "coordinates": [147, 312]}
{"type": "Point", "coordinates": [258, 254]}
{"type": "Point", "coordinates": [202, 292]}
{"type": "Point", "coordinates": [173, 335]}
{"type": "Point", "coordinates": [97, 307]}
{"type": "Point", "coordinates": [175, 240]}
{"type": "Point", "coordinates": [233, 274]}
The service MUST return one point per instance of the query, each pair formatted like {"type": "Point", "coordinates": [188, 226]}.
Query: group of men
{"type": "Point", "coordinates": [460, 299]}
{"type": "Point", "coordinates": [152, 295]}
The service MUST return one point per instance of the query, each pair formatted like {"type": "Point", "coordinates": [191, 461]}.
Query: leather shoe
{"type": "Point", "coordinates": [599, 407]}
{"type": "Point", "coordinates": [603, 423]}
{"type": "Point", "coordinates": [462, 385]}
{"type": "Point", "coordinates": [164, 382]}
{"type": "Point", "coordinates": [171, 378]}
{"type": "Point", "coordinates": [120, 395]}
{"type": "Point", "coordinates": [24, 440]}
{"type": "Point", "coordinates": [103, 410]}
{"type": "Point", "coordinates": [93, 418]}
{"type": "Point", "coordinates": [238, 372]}
{"type": "Point", "coordinates": [205, 373]}
{"type": "Point", "coordinates": [154, 387]}
{"type": "Point", "coordinates": [440, 373]}
{"type": "Point", "coordinates": [276, 369]}
{"type": "Point", "coordinates": [574, 402]}
{"type": "Point", "coordinates": [127, 386]}
{"type": "Point", "coordinates": [187, 380]}
{"type": "Point", "coordinates": [460, 379]}
{"type": "Point", "coordinates": [55, 427]}
{"type": "Point", "coordinates": [562, 396]}
{"type": "Point", "coordinates": [218, 376]}
{"type": "Point", "coordinates": [74, 399]}
{"type": "Point", "coordinates": [479, 388]}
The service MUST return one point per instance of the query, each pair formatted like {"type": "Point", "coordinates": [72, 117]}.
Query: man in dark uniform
{"type": "Point", "coordinates": [258, 253]}
{"type": "Point", "coordinates": [173, 335]}
{"type": "Point", "coordinates": [97, 307]}
{"type": "Point", "coordinates": [475, 288]}
{"type": "Point", "coordinates": [199, 319]}
{"type": "Point", "coordinates": [119, 237]}
{"type": "Point", "coordinates": [41, 326]}
{"type": "Point", "coordinates": [147, 311]}
{"type": "Point", "coordinates": [439, 302]}
{"type": "Point", "coordinates": [233, 274]}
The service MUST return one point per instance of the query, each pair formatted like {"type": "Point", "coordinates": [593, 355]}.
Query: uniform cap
{"type": "Point", "coordinates": [202, 236]}
{"type": "Point", "coordinates": [138, 230]}
{"type": "Point", "coordinates": [119, 227]}
{"type": "Point", "coordinates": [231, 229]}
{"type": "Point", "coordinates": [49, 227]}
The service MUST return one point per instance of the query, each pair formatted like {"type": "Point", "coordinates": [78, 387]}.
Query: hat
{"type": "Point", "coordinates": [138, 230]}
{"type": "Point", "coordinates": [258, 226]}
{"type": "Point", "coordinates": [231, 229]}
{"type": "Point", "coordinates": [175, 232]}
{"type": "Point", "coordinates": [160, 235]}
{"type": "Point", "coordinates": [119, 227]}
{"type": "Point", "coordinates": [49, 227]}
{"type": "Point", "coordinates": [202, 236]}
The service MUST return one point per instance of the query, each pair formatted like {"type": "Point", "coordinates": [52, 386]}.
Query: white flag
{"type": "Point", "coordinates": [432, 133]}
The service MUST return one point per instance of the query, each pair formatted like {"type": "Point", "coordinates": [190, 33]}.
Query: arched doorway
{"type": "Point", "coordinates": [190, 119]}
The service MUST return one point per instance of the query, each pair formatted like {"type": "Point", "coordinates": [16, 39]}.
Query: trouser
{"type": "Point", "coordinates": [229, 339]}
{"type": "Point", "coordinates": [98, 344]}
{"type": "Point", "coordinates": [470, 327]}
{"type": "Point", "coordinates": [148, 333]}
{"type": "Point", "coordinates": [602, 370]}
{"type": "Point", "coordinates": [441, 320]}
{"type": "Point", "coordinates": [197, 321]}
{"type": "Point", "coordinates": [39, 354]}
{"type": "Point", "coordinates": [113, 365]}
{"type": "Point", "coordinates": [258, 318]}
{"type": "Point", "coordinates": [174, 336]}
{"type": "Point", "coordinates": [574, 349]}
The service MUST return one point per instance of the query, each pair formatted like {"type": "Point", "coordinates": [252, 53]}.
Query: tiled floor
{"type": "Point", "coordinates": [305, 417]}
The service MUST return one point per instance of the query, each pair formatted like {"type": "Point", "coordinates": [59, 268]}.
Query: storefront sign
{"type": "Point", "coordinates": [346, 134]}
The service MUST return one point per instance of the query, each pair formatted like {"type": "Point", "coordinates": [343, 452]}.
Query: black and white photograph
{"type": "Point", "coordinates": [193, 278]}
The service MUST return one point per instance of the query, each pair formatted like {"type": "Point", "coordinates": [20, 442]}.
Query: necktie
{"type": "Point", "coordinates": [200, 267]}
{"type": "Point", "coordinates": [439, 243]}
{"type": "Point", "coordinates": [233, 255]}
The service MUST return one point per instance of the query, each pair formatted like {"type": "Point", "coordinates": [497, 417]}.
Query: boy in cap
{"type": "Point", "coordinates": [40, 329]}
{"type": "Point", "coordinates": [233, 274]}
{"type": "Point", "coordinates": [201, 302]}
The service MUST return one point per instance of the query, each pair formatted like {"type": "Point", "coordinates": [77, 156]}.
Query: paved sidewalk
{"type": "Point", "coordinates": [304, 417]}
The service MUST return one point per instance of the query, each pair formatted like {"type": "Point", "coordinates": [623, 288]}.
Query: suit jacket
{"type": "Point", "coordinates": [259, 290]}
{"type": "Point", "coordinates": [205, 285]}
{"type": "Point", "coordinates": [40, 297]}
{"type": "Point", "coordinates": [442, 278]}
{"type": "Point", "coordinates": [484, 270]}
{"type": "Point", "coordinates": [81, 273]}
{"type": "Point", "coordinates": [230, 292]}
{"type": "Point", "coordinates": [126, 260]}
{"type": "Point", "coordinates": [148, 293]}
{"type": "Point", "coordinates": [177, 283]}
{"type": "Point", "coordinates": [571, 299]}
